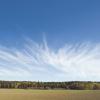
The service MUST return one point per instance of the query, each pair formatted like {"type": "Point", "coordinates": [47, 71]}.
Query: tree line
{"type": "Point", "coordinates": [73, 85]}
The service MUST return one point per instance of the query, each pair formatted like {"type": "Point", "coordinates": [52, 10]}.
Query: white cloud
{"type": "Point", "coordinates": [39, 62]}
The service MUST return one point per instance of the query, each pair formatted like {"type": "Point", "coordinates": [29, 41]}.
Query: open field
{"type": "Point", "coordinates": [21, 94]}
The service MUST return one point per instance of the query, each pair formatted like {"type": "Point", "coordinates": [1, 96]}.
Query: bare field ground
{"type": "Point", "coordinates": [21, 94]}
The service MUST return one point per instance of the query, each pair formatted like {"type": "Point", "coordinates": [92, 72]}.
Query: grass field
{"type": "Point", "coordinates": [15, 94]}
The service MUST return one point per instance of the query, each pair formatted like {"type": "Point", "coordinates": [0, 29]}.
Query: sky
{"type": "Point", "coordinates": [50, 40]}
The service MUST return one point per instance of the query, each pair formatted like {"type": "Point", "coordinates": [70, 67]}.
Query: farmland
{"type": "Point", "coordinates": [29, 94]}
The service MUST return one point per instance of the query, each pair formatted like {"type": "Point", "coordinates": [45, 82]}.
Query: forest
{"type": "Point", "coordinates": [72, 85]}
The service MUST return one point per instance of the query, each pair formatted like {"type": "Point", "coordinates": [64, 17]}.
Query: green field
{"type": "Point", "coordinates": [21, 94]}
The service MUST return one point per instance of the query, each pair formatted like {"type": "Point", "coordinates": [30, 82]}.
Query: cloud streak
{"type": "Point", "coordinates": [39, 62]}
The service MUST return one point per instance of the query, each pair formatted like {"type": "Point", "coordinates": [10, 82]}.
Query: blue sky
{"type": "Point", "coordinates": [52, 26]}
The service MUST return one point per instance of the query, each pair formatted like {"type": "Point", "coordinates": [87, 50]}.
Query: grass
{"type": "Point", "coordinates": [21, 94]}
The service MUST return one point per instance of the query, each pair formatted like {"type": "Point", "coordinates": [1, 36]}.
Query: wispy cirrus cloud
{"type": "Point", "coordinates": [39, 62]}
